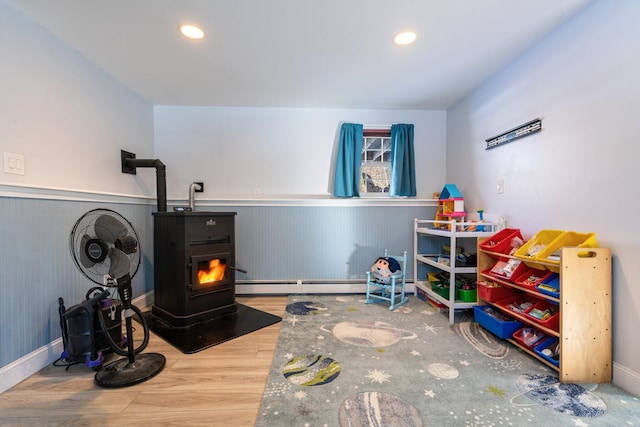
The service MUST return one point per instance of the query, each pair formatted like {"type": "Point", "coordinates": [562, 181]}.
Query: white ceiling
{"type": "Point", "coordinates": [301, 53]}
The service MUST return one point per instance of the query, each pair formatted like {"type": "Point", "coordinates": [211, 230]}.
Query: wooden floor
{"type": "Point", "coordinates": [220, 386]}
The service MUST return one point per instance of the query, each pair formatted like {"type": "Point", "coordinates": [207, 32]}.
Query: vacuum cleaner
{"type": "Point", "coordinates": [83, 335]}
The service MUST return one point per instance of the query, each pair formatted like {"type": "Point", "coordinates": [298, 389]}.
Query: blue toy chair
{"type": "Point", "coordinates": [391, 288]}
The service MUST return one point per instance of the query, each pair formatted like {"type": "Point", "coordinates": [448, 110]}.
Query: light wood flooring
{"type": "Point", "coordinates": [220, 386]}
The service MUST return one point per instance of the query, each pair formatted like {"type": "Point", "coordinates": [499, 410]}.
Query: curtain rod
{"type": "Point", "coordinates": [376, 126]}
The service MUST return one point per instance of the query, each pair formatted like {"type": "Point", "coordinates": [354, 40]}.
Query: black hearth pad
{"type": "Point", "coordinates": [201, 336]}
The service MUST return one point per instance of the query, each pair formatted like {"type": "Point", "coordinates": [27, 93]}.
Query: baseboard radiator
{"type": "Point", "coordinates": [293, 287]}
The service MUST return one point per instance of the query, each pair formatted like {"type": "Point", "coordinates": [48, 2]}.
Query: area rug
{"type": "Point", "coordinates": [341, 362]}
{"type": "Point", "coordinates": [203, 335]}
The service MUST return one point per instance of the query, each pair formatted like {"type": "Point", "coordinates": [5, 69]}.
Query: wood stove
{"type": "Point", "coordinates": [194, 266]}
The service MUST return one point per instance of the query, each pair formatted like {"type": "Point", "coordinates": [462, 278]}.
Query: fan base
{"type": "Point", "coordinates": [121, 373]}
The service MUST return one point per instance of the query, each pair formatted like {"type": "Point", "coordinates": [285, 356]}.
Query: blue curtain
{"type": "Point", "coordinates": [403, 169]}
{"type": "Point", "coordinates": [347, 177]}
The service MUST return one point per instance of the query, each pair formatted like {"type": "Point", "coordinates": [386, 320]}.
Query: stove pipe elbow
{"type": "Point", "coordinates": [192, 195]}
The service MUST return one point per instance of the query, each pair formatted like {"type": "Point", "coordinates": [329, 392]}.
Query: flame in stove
{"type": "Point", "coordinates": [214, 273]}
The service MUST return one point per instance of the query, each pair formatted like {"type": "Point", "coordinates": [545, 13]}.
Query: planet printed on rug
{"type": "Point", "coordinates": [373, 408]}
{"type": "Point", "coordinates": [443, 371]}
{"type": "Point", "coordinates": [304, 308]}
{"type": "Point", "coordinates": [482, 340]}
{"type": "Point", "coordinates": [311, 370]}
{"type": "Point", "coordinates": [570, 399]}
{"type": "Point", "coordinates": [368, 333]}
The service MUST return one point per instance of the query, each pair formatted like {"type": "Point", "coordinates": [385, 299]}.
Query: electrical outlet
{"type": "Point", "coordinates": [500, 187]}
{"type": "Point", "coordinates": [201, 189]}
{"type": "Point", "coordinates": [13, 163]}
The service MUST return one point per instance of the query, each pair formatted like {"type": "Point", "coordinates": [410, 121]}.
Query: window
{"type": "Point", "coordinates": [386, 165]}
{"type": "Point", "coordinates": [375, 168]}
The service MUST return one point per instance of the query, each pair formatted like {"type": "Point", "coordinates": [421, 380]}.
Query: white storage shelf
{"type": "Point", "coordinates": [450, 233]}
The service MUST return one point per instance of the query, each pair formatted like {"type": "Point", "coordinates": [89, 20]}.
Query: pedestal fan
{"type": "Point", "coordinates": [104, 247]}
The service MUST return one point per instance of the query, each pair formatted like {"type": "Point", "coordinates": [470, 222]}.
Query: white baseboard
{"type": "Point", "coordinates": [304, 288]}
{"type": "Point", "coordinates": [144, 300]}
{"type": "Point", "coordinates": [626, 379]}
{"type": "Point", "coordinates": [21, 369]}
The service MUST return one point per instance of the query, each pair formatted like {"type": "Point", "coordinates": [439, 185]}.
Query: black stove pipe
{"type": "Point", "coordinates": [161, 177]}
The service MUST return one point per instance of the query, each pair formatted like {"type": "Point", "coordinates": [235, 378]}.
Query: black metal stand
{"type": "Point", "coordinates": [130, 370]}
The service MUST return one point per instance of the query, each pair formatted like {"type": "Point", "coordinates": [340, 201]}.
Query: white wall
{"type": "Point", "coordinates": [70, 121]}
{"type": "Point", "coordinates": [66, 117]}
{"type": "Point", "coordinates": [277, 151]}
{"type": "Point", "coordinates": [580, 173]}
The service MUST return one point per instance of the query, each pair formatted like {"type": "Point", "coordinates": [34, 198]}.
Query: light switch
{"type": "Point", "coordinates": [13, 163]}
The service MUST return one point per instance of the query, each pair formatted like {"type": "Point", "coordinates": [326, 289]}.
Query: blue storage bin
{"type": "Point", "coordinates": [550, 343]}
{"type": "Point", "coordinates": [550, 285]}
{"type": "Point", "coordinates": [503, 328]}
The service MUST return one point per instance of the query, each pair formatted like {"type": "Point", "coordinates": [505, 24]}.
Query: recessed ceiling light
{"type": "Point", "coordinates": [191, 31]}
{"type": "Point", "coordinates": [405, 37]}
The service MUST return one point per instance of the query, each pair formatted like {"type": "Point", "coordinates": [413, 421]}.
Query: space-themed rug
{"type": "Point", "coordinates": [341, 362]}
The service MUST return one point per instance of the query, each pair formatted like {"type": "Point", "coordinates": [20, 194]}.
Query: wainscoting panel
{"type": "Point", "coordinates": [36, 267]}
{"type": "Point", "coordinates": [316, 244]}
{"type": "Point", "coordinates": [319, 243]}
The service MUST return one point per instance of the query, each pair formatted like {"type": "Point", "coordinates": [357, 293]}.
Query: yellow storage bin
{"type": "Point", "coordinates": [538, 243]}
{"type": "Point", "coordinates": [433, 278]}
{"type": "Point", "coordinates": [551, 254]}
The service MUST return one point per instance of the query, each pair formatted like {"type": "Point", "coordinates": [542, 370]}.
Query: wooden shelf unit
{"type": "Point", "coordinates": [584, 302]}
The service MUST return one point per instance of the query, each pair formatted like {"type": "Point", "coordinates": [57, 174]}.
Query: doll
{"type": "Point", "coordinates": [384, 268]}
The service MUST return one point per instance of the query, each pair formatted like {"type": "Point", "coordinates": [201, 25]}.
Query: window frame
{"type": "Point", "coordinates": [383, 132]}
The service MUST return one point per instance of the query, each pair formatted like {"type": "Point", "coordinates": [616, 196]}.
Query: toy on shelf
{"type": "Point", "coordinates": [473, 224]}
{"type": "Point", "coordinates": [450, 206]}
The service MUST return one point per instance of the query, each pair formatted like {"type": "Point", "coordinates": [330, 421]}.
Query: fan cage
{"type": "Point", "coordinates": [85, 226]}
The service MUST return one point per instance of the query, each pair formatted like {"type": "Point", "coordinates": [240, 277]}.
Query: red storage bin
{"type": "Point", "coordinates": [520, 303]}
{"type": "Point", "coordinates": [544, 306]}
{"type": "Point", "coordinates": [488, 292]}
{"type": "Point", "coordinates": [520, 269]}
{"type": "Point", "coordinates": [506, 269]}
{"type": "Point", "coordinates": [530, 277]}
{"type": "Point", "coordinates": [529, 336]}
{"type": "Point", "coordinates": [501, 242]}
